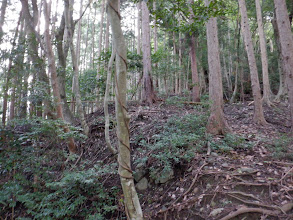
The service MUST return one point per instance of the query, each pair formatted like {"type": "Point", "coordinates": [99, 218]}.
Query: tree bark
{"type": "Point", "coordinates": [282, 70]}
{"type": "Point", "coordinates": [38, 66]}
{"type": "Point", "coordinates": [106, 101]}
{"type": "Point", "coordinates": [193, 63]}
{"type": "Point", "coordinates": [52, 68]}
{"type": "Point", "coordinates": [132, 205]}
{"type": "Point", "coordinates": [68, 25]}
{"type": "Point", "coordinates": [194, 72]}
{"type": "Point", "coordinates": [217, 123]}
{"type": "Point", "coordinates": [100, 37]}
{"type": "Point", "coordinates": [148, 93]}
{"type": "Point", "coordinates": [264, 56]}
{"type": "Point", "coordinates": [62, 52]}
{"type": "Point", "coordinates": [2, 17]}
{"type": "Point", "coordinates": [258, 108]}
{"type": "Point", "coordinates": [138, 27]}
{"type": "Point", "coordinates": [286, 41]}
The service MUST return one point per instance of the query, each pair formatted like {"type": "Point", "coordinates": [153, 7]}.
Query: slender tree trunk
{"type": "Point", "coordinates": [217, 123]}
{"type": "Point", "coordinates": [8, 72]}
{"type": "Point", "coordinates": [2, 17]}
{"type": "Point", "coordinates": [258, 109]}
{"type": "Point", "coordinates": [68, 25]}
{"type": "Point", "coordinates": [264, 56]}
{"type": "Point", "coordinates": [38, 66]}
{"type": "Point", "coordinates": [148, 93]}
{"type": "Point", "coordinates": [78, 40]}
{"type": "Point", "coordinates": [286, 41]}
{"type": "Point", "coordinates": [52, 68]}
{"type": "Point", "coordinates": [100, 36]}
{"type": "Point", "coordinates": [282, 75]}
{"type": "Point", "coordinates": [107, 35]}
{"type": "Point", "coordinates": [106, 100]}
{"type": "Point", "coordinates": [138, 27]}
{"type": "Point", "coordinates": [194, 73]}
{"type": "Point", "coordinates": [132, 205]}
{"type": "Point", "coordinates": [62, 51]}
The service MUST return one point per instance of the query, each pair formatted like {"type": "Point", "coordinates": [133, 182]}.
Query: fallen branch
{"type": "Point", "coordinates": [248, 210]}
{"type": "Point", "coordinates": [286, 175]}
{"type": "Point", "coordinates": [254, 203]}
{"type": "Point", "coordinates": [187, 191]}
{"type": "Point", "coordinates": [244, 194]}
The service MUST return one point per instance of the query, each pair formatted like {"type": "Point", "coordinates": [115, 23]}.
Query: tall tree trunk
{"type": "Point", "coordinates": [258, 108]}
{"type": "Point", "coordinates": [148, 93]}
{"type": "Point", "coordinates": [68, 25]}
{"type": "Point", "coordinates": [107, 35]}
{"type": "Point", "coordinates": [106, 101]}
{"type": "Point", "coordinates": [194, 71]}
{"type": "Point", "coordinates": [217, 123]}
{"type": "Point", "coordinates": [132, 205]}
{"type": "Point", "coordinates": [52, 68]}
{"type": "Point", "coordinates": [264, 56]}
{"type": "Point", "coordinates": [2, 17]}
{"type": "Point", "coordinates": [100, 37]}
{"type": "Point", "coordinates": [62, 52]}
{"type": "Point", "coordinates": [8, 72]}
{"type": "Point", "coordinates": [138, 27]}
{"type": "Point", "coordinates": [286, 41]}
{"type": "Point", "coordinates": [282, 69]}
{"type": "Point", "coordinates": [38, 66]}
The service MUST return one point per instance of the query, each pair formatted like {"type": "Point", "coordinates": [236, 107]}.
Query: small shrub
{"type": "Point", "coordinates": [282, 148]}
{"type": "Point", "coordinates": [230, 142]}
{"type": "Point", "coordinates": [177, 143]}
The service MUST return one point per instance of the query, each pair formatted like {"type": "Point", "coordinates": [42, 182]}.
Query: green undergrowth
{"type": "Point", "coordinates": [36, 183]}
{"type": "Point", "coordinates": [180, 139]}
{"type": "Point", "coordinates": [282, 147]}
{"type": "Point", "coordinates": [230, 142]}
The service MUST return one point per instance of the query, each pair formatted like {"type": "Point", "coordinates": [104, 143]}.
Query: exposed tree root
{"type": "Point", "coordinates": [244, 210]}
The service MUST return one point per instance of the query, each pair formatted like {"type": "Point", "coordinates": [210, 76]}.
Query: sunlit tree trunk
{"type": "Point", "coordinates": [100, 36]}
{"type": "Point", "coordinates": [138, 27]}
{"type": "Point", "coordinates": [148, 93]}
{"type": "Point", "coordinates": [286, 41]}
{"type": "Point", "coordinates": [264, 56]}
{"type": "Point", "coordinates": [8, 72]}
{"type": "Point", "coordinates": [258, 108]}
{"type": "Point", "coordinates": [217, 123]}
{"type": "Point", "coordinates": [107, 35]}
{"type": "Point", "coordinates": [2, 17]}
{"type": "Point", "coordinates": [131, 201]}
{"type": "Point", "coordinates": [53, 71]}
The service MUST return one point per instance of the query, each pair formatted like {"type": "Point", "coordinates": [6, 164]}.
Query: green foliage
{"type": "Point", "coordinates": [31, 161]}
{"type": "Point", "coordinates": [179, 140]}
{"type": "Point", "coordinates": [76, 194]}
{"type": "Point", "coordinates": [88, 84]}
{"type": "Point", "coordinates": [282, 147]}
{"type": "Point", "coordinates": [229, 143]}
{"type": "Point", "coordinates": [176, 100]}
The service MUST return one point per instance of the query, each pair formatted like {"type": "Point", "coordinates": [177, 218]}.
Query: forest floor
{"type": "Point", "coordinates": [239, 183]}
{"type": "Point", "coordinates": [180, 172]}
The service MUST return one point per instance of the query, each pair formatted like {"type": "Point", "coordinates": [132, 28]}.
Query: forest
{"type": "Point", "coordinates": [146, 109]}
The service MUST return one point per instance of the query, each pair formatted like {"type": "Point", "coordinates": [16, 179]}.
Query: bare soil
{"type": "Point", "coordinates": [212, 186]}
